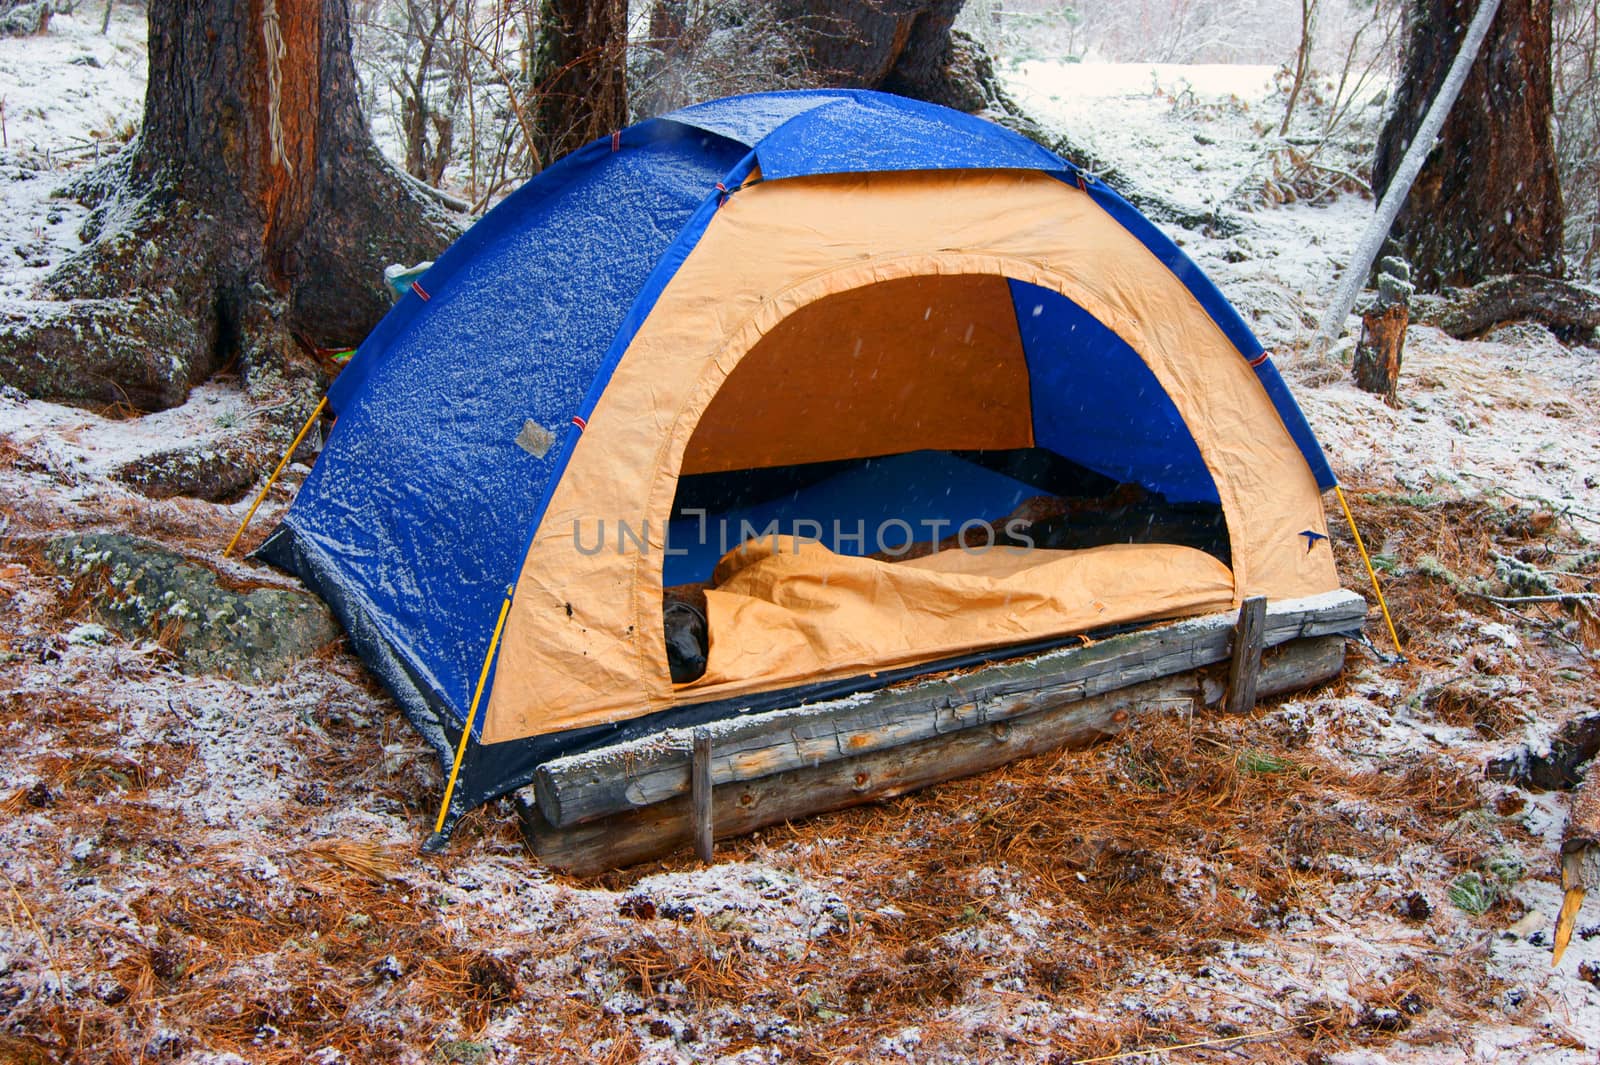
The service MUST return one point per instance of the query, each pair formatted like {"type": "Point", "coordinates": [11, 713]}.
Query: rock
{"type": "Point", "coordinates": [143, 590]}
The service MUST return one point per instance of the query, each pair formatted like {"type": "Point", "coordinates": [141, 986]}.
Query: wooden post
{"type": "Point", "coordinates": [700, 793]}
{"type": "Point", "coordinates": [1245, 668]}
{"type": "Point", "coordinates": [1580, 857]}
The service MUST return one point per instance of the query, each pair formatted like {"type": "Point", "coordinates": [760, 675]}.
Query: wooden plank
{"type": "Point", "coordinates": [600, 783]}
{"type": "Point", "coordinates": [1245, 665]}
{"type": "Point", "coordinates": [739, 807]}
{"type": "Point", "coordinates": [700, 793]}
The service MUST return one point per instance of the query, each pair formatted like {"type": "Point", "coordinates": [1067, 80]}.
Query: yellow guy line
{"type": "Point", "coordinates": [1372, 573]}
{"type": "Point", "coordinates": [304, 429]}
{"type": "Point", "coordinates": [472, 713]}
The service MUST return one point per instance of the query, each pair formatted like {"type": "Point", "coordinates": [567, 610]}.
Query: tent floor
{"type": "Point", "coordinates": [632, 802]}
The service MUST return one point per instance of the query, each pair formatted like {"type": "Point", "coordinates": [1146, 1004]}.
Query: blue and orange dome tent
{"type": "Point", "coordinates": [882, 292]}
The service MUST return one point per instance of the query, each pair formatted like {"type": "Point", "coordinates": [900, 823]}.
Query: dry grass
{"type": "Point", "coordinates": [1140, 866]}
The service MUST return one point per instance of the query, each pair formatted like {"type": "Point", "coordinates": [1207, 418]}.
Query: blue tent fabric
{"type": "Point", "coordinates": [849, 513]}
{"type": "Point", "coordinates": [796, 134]}
{"type": "Point", "coordinates": [421, 502]}
{"type": "Point", "coordinates": [420, 510]}
{"type": "Point", "coordinates": [1097, 403]}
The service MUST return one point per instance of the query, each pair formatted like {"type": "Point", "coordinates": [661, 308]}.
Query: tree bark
{"type": "Point", "coordinates": [1376, 365]}
{"type": "Point", "coordinates": [253, 206]}
{"type": "Point", "coordinates": [1488, 201]}
{"type": "Point", "coordinates": [580, 74]}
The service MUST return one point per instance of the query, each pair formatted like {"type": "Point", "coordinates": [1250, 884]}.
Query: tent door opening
{"type": "Point", "coordinates": [967, 426]}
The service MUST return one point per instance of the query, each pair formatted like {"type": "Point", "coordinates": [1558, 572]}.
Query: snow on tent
{"type": "Point", "coordinates": [758, 355]}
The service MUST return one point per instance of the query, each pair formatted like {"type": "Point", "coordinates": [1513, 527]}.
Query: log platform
{"type": "Point", "coordinates": [632, 802]}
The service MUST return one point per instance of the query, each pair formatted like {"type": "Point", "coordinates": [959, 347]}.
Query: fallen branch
{"type": "Point", "coordinates": [1570, 311]}
{"type": "Point", "coordinates": [1555, 597]}
{"type": "Point", "coordinates": [1554, 767]}
{"type": "Point", "coordinates": [1546, 626]}
{"type": "Point", "coordinates": [1355, 275]}
{"type": "Point", "coordinates": [454, 203]}
{"type": "Point", "coordinates": [1340, 172]}
{"type": "Point", "coordinates": [1217, 1042]}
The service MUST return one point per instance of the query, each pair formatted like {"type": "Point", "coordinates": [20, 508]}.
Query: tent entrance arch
{"type": "Point", "coordinates": [775, 248]}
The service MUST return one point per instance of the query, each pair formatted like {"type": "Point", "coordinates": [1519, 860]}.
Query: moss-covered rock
{"type": "Point", "coordinates": [143, 590]}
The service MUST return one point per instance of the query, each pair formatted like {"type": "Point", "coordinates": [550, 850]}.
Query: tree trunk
{"type": "Point", "coordinates": [580, 74]}
{"type": "Point", "coordinates": [1488, 201]}
{"type": "Point", "coordinates": [252, 215]}
{"type": "Point", "coordinates": [1376, 365]}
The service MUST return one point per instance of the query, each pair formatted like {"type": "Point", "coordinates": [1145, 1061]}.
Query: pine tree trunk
{"type": "Point", "coordinates": [302, 200]}
{"type": "Point", "coordinates": [252, 214]}
{"type": "Point", "coordinates": [236, 193]}
{"type": "Point", "coordinates": [1488, 201]}
{"type": "Point", "coordinates": [580, 74]}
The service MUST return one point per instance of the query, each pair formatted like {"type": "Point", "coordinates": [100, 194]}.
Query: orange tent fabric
{"type": "Point", "coordinates": [796, 608]}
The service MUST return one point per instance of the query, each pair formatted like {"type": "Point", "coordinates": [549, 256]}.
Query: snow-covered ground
{"type": "Point", "coordinates": [66, 98]}
{"type": "Point", "coordinates": [204, 871]}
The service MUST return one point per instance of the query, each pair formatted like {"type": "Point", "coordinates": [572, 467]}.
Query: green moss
{"type": "Point", "coordinates": [1253, 761]}
{"type": "Point", "coordinates": [1473, 894]}
{"type": "Point", "coordinates": [461, 1052]}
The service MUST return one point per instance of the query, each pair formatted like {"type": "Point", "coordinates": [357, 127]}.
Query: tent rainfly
{"type": "Point", "coordinates": [759, 357]}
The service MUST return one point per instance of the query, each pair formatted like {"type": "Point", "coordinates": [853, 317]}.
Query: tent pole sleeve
{"type": "Point", "coordinates": [287, 455]}
{"type": "Point", "coordinates": [1372, 574]}
{"type": "Point", "coordinates": [472, 712]}
{"type": "Point", "coordinates": [1400, 185]}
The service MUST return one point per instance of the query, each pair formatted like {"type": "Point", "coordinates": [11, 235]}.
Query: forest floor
{"type": "Point", "coordinates": [198, 870]}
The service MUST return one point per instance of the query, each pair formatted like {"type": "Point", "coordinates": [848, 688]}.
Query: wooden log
{"type": "Point", "coordinates": [642, 834]}
{"type": "Point", "coordinates": [597, 784]}
{"type": "Point", "coordinates": [1556, 766]}
{"type": "Point", "coordinates": [700, 793]}
{"type": "Point", "coordinates": [1570, 311]}
{"type": "Point", "coordinates": [1244, 668]}
{"type": "Point", "coordinates": [1376, 364]}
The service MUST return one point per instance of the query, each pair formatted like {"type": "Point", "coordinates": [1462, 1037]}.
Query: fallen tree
{"type": "Point", "coordinates": [1571, 312]}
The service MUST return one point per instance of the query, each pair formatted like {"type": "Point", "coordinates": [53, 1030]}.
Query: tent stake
{"type": "Point", "coordinates": [287, 455]}
{"type": "Point", "coordinates": [1355, 275]}
{"type": "Point", "coordinates": [472, 713]}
